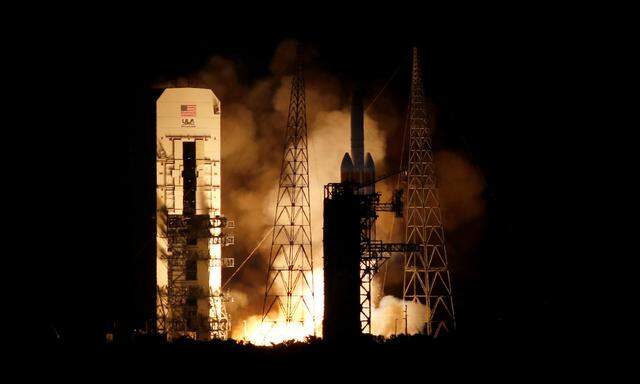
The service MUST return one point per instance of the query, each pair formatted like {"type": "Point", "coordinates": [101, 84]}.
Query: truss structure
{"type": "Point", "coordinates": [289, 296]}
{"type": "Point", "coordinates": [426, 277]}
{"type": "Point", "coordinates": [178, 314]}
{"type": "Point", "coordinates": [373, 253]}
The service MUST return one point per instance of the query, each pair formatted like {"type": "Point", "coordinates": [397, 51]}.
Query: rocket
{"type": "Point", "coordinates": [354, 167]}
{"type": "Point", "coordinates": [357, 130]}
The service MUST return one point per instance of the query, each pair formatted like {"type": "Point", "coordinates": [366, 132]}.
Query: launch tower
{"type": "Point", "coordinates": [352, 255]}
{"type": "Point", "coordinates": [190, 224]}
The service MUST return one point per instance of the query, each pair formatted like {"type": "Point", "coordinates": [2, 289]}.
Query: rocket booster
{"type": "Point", "coordinates": [346, 169]}
{"type": "Point", "coordinates": [369, 175]}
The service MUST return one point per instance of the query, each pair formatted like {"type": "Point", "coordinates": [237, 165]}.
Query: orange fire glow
{"type": "Point", "coordinates": [257, 332]}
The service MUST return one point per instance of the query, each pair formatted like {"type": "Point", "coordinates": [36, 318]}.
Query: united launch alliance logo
{"type": "Point", "coordinates": [187, 111]}
{"type": "Point", "coordinates": [188, 122]}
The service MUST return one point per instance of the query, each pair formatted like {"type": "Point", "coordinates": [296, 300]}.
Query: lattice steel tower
{"type": "Point", "coordinates": [426, 274]}
{"type": "Point", "coordinates": [289, 296]}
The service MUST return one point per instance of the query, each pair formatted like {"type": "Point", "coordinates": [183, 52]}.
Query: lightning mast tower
{"type": "Point", "coordinates": [426, 274]}
{"type": "Point", "coordinates": [289, 296]}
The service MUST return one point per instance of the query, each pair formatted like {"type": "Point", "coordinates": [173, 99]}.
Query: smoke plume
{"type": "Point", "coordinates": [253, 125]}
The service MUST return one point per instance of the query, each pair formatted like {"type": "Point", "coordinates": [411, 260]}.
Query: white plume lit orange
{"type": "Point", "coordinates": [253, 126]}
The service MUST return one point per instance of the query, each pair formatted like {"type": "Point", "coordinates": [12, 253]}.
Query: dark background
{"type": "Point", "coordinates": [494, 80]}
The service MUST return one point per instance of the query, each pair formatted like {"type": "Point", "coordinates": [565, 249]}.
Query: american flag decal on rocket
{"type": "Point", "coordinates": [188, 110]}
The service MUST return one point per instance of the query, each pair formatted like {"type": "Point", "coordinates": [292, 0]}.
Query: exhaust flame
{"type": "Point", "coordinates": [257, 332]}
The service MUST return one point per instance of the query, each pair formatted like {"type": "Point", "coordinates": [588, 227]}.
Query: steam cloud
{"type": "Point", "coordinates": [253, 123]}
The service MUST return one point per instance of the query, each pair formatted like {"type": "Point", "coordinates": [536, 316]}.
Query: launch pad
{"type": "Point", "coordinates": [190, 227]}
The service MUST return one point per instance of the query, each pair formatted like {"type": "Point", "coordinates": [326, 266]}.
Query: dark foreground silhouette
{"type": "Point", "coordinates": [370, 356]}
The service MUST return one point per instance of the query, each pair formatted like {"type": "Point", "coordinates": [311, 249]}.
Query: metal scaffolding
{"type": "Point", "coordinates": [426, 277]}
{"type": "Point", "coordinates": [289, 292]}
{"type": "Point", "coordinates": [177, 301]}
{"type": "Point", "coordinates": [372, 253]}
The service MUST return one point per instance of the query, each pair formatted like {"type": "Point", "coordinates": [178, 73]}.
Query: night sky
{"type": "Point", "coordinates": [487, 76]}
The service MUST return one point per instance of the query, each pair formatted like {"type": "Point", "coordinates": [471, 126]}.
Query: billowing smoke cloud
{"type": "Point", "coordinates": [460, 187]}
{"type": "Point", "coordinates": [253, 123]}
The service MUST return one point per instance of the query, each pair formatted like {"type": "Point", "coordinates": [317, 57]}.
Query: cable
{"type": "Point", "coordinates": [393, 220]}
{"type": "Point", "coordinates": [384, 87]}
{"type": "Point", "coordinates": [247, 258]}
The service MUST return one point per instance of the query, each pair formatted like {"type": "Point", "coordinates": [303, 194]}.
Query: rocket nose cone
{"type": "Point", "coordinates": [347, 164]}
{"type": "Point", "coordinates": [346, 169]}
{"type": "Point", "coordinates": [368, 163]}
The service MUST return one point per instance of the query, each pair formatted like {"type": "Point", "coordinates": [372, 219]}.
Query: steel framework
{"type": "Point", "coordinates": [370, 261]}
{"type": "Point", "coordinates": [426, 274]}
{"type": "Point", "coordinates": [289, 295]}
{"type": "Point", "coordinates": [373, 253]}
{"type": "Point", "coordinates": [177, 308]}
